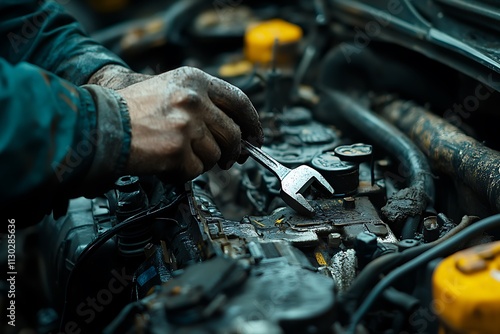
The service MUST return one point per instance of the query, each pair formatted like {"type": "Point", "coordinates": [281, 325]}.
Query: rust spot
{"type": "Point", "coordinates": [450, 150]}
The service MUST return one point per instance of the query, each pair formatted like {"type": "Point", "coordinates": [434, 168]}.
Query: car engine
{"type": "Point", "coordinates": [393, 102]}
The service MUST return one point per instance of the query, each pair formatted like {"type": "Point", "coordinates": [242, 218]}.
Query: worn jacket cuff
{"type": "Point", "coordinates": [113, 135]}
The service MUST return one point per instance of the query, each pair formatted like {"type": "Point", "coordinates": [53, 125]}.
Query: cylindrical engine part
{"type": "Point", "coordinates": [342, 175]}
{"type": "Point", "coordinates": [449, 149]}
{"type": "Point", "coordinates": [431, 229]}
{"type": "Point", "coordinates": [131, 200]}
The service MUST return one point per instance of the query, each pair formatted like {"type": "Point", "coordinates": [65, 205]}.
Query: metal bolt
{"type": "Point", "coordinates": [431, 229]}
{"type": "Point", "coordinates": [349, 203]}
{"type": "Point", "coordinates": [365, 246]}
{"type": "Point", "coordinates": [334, 240]}
{"type": "Point", "coordinates": [149, 250]}
{"type": "Point", "coordinates": [365, 243]}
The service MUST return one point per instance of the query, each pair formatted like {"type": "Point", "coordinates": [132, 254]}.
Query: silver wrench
{"type": "Point", "coordinates": [293, 181]}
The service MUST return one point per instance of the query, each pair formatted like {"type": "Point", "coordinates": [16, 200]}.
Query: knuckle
{"type": "Point", "coordinates": [174, 146]}
{"type": "Point", "coordinates": [240, 95]}
{"type": "Point", "coordinates": [217, 154]}
{"type": "Point", "coordinates": [190, 71]}
{"type": "Point", "coordinates": [188, 98]}
{"type": "Point", "coordinates": [234, 133]}
{"type": "Point", "coordinates": [180, 125]}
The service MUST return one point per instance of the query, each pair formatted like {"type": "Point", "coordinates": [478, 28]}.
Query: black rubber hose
{"type": "Point", "coordinates": [420, 193]}
{"type": "Point", "coordinates": [91, 248]}
{"type": "Point", "coordinates": [386, 67]}
{"type": "Point", "coordinates": [443, 249]}
{"type": "Point", "coordinates": [450, 150]}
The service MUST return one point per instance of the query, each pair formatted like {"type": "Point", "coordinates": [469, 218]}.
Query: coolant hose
{"type": "Point", "coordinates": [449, 149]}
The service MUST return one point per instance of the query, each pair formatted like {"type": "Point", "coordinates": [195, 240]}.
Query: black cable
{"type": "Point", "coordinates": [104, 237]}
{"type": "Point", "coordinates": [441, 250]}
{"type": "Point", "coordinates": [370, 275]}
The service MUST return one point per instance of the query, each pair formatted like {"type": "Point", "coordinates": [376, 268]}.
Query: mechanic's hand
{"type": "Point", "coordinates": [116, 77]}
{"type": "Point", "coordinates": [184, 121]}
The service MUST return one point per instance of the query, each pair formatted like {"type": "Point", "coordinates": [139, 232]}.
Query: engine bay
{"type": "Point", "coordinates": [392, 102]}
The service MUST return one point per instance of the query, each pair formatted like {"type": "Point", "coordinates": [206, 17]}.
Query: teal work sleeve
{"type": "Point", "coordinates": [57, 140]}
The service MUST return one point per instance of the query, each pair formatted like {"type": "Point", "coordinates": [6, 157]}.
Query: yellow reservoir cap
{"type": "Point", "coordinates": [259, 39]}
{"type": "Point", "coordinates": [466, 290]}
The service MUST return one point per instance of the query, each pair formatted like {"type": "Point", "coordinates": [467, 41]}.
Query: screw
{"type": "Point", "coordinates": [334, 240]}
{"type": "Point", "coordinates": [349, 203]}
{"type": "Point", "coordinates": [431, 228]}
{"type": "Point", "coordinates": [365, 246]}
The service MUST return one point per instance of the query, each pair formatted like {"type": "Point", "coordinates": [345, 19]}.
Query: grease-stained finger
{"type": "Point", "coordinates": [233, 102]}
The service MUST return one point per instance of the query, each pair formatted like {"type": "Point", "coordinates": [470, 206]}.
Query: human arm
{"type": "Point", "coordinates": [52, 134]}
{"type": "Point", "coordinates": [181, 123]}
{"type": "Point", "coordinates": [43, 34]}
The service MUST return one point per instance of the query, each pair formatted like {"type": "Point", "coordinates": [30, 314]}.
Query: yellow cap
{"type": "Point", "coordinates": [259, 39]}
{"type": "Point", "coordinates": [466, 290]}
{"type": "Point", "coordinates": [236, 68]}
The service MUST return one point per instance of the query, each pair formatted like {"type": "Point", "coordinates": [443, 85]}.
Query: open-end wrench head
{"type": "Point", "coordinates": [298, 203]}
{"type": "Point", "coordinates": [296, 182]}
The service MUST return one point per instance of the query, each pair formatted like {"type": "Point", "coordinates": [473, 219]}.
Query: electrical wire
{"type": "Point", "coordinates": [104, 237]}
{"type": "Point", "coordinates": [440, 250]}
{"type": "Point", "coordinates": [377, 268]}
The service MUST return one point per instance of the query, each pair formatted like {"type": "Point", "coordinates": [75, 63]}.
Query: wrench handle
{"type": "Point", "coordinates": [266, 160]}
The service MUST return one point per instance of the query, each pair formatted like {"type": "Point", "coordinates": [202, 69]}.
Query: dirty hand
{"type": "Point", "coordinates": [185, 121]}
{"type": "Point", "coordinates": [116, 77]}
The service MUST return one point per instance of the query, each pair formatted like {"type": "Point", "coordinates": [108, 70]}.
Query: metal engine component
{"type": "Point", "coordinates": [131, 200]}
{"type": "Point", "coordinates": [224, 295]}
{"type": "Point", "coordinates": [301, 138]}
{"type": "Point", "coordinates": [293, 181]}
{"type": "Point", "coordinates": [343, 174]}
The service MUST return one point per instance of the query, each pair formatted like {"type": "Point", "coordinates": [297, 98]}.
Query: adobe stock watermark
{"type": "Point", "coordinates": [364, 35]}
{"type": "Point", "coordinates": [420, 320]}
{"type": "Point", "coordinates": [76, 155]}
{"type": "Point", "coordinates": [31, 26]}
{"type": "Point", "coordinates": [88, 309]}
{"type": "Point", "coordinates": [471, 103]}
{"type": "Point", "coordinates": [265, 308]}
{"type": "Point", "coordinates": [225, 8]}
{"type": "Point", "coordinates": [11, 272]}
{"type": "Point", "coordinates": [401, 178]}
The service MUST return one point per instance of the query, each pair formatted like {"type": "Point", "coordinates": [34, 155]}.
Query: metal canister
{"type": "Point", "coordinates": [342, 175]}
